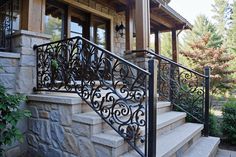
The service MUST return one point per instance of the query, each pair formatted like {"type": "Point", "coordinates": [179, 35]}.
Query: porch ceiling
{"type": "Point", "coordinates": [163, 17]}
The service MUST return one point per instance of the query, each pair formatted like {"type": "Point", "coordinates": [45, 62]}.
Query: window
{"type": "Point", "coordinates": [54, 21]}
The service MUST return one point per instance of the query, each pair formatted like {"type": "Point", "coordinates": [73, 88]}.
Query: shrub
{"type": "Point", "coordinates": [229, 121]}
{"type": "Point", "coordinates": [213, 125]}
{"type": "Point", "coordinates": [10, 114]}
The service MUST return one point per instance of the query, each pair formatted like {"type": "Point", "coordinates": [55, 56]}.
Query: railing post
{"type": "Point", "coordinates": [207, 101]}
{"type": "Point", "coordinates": [152, 108]}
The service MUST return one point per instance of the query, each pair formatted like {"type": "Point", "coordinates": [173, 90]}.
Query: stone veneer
{"type": "Point", "coordinates": [22, 43]}
{"type": "Point", "coordinates": [9, 63]}
{"type": "Point", "coordinates": [51, 131]}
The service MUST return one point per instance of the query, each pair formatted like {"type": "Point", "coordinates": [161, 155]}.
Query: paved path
{"type": "Point", "coordinates": [225, 153]}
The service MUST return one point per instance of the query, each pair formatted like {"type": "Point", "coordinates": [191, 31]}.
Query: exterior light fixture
{"type": "Point", "coordinates": [120, 29]}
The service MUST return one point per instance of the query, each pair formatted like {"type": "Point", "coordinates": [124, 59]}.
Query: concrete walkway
{"type": "Point", "coordinates": [225, 153]}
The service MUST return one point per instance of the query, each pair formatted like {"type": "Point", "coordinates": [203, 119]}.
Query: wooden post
{"type": "Point", "coordinates": [142, 24]}
{"type": "Point", "coordinates": [175, 46]}
{"type": "Point", "coordinates": [129, 22]}
{"type": "Point", "coordinates": [32, 14]}
{"type": "Point", "coordinates": [158, 42]}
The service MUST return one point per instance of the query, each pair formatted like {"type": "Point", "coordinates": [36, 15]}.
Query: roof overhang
{"type": "Point", "coordinates": [164, 18]}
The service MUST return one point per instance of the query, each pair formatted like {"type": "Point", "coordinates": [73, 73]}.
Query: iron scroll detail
{"type": "Point", "coordinates": [114, 88]}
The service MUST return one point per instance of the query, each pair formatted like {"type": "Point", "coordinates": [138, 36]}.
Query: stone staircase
{"type": "Point", "coordinates": [175, 137]}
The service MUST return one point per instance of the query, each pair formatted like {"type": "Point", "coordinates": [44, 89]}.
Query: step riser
{"type": "Point", "coordinates": [179, 152]}
{"type": "Point", "coordinates": [86, 108]}
{"type": "Point", "coordinates": [170, 127]}
{"type": "Point", "coordinates": [102, 127]}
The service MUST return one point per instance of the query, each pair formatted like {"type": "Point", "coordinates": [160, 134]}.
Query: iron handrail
{"type": "Point", "coordinates": [170, 61]}
{"type": "Point", "coordinates": [106, 81]}
{"type": "Point", "coordinates": [100, 48]}
{"type": "Point", "coordinates": [183, 86]}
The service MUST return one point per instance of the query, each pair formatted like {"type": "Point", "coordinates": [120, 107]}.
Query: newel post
{"type": "Point", "coordinates": [152, 107]}
{"type": "Point", "coordinates": [207, 100]}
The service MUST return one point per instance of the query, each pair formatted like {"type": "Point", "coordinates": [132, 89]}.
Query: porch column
{"type": "Point", "coordinates": [158, 42]}
{"type": "Point", "coordinates": [32, 13]}
{"type": "Point", "coordinates": [175, 56]}
{"type": "Point", "coordinates": [129, 21]}
{"type": "Point", "coordinates": [142, 24]}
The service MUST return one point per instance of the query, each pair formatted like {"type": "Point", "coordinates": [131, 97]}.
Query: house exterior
{"type": "Point", "coordinates": [56, 51]}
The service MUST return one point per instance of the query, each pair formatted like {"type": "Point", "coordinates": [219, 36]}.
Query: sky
{"type": "Point", "coordinates": [190, 9]}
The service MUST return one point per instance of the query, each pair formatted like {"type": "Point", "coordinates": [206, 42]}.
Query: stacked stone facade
{"type": "Point", "coordinates": [51, 130]}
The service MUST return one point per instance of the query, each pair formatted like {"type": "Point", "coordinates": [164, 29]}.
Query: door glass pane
{"type": "Point", "coordinates": [54, 22]}
{"type": "Point", "coordinates": [76, 27]}
{"type": "Point", "coordinates": [101, 35]}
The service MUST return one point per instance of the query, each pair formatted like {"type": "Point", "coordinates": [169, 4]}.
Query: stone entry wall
{"type": "Point", "coordinates": [9, 63]}
{"type": "Point", "coordinates": [51, 131]}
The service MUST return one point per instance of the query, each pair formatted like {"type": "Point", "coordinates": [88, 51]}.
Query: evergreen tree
{"type": "Point", "coordinates": [216, 58]}
{"type": "Point", "coordinates": [231, 42]}
{"type": "Point", "coordinates": [201, 27]}
{"type": "Point", "coordinates": [221, 10]}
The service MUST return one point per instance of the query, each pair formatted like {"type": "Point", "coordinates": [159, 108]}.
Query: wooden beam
{"type": "Point", "coordinates": [158, 42]}
{"type": "Point", "coordinates": [162, 20]}
{"type": "Point", "coordinates": [142, 24]}
{"type": "Point", "coordinates": [32, 15]}
{"type": "Point", "coordinates": [129, 22]}
{"type": "Point", "coordinates": [175, 46]}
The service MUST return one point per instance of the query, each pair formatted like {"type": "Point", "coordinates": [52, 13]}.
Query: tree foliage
{"type": "Point", "coordinates": [10, 114]}
{"type": "Point", "coordinates": [201, 27]}
{"type": "Point", "coordinates": [221, 10]}
{"type": "Point", "coordinates": [202, 55]}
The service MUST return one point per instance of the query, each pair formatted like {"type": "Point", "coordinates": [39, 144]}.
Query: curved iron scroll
{"type": "Point", "coordinates": [186, 89]}
{"type": "Point", "coordinates": [114, 88]}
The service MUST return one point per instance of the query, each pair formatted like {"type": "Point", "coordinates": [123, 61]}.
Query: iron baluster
{"type": "Point", "coordinates": [207, 100]}
{"type": "Point", "coordinates": [152, 108]}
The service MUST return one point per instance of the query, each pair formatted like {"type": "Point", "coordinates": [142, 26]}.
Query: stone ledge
{"type": "Point", "coordinates": [29, 33]}
{"type": "Point", "coordinates": [10, 55]}
{"type": "Point", "coordinates": [55, 99]}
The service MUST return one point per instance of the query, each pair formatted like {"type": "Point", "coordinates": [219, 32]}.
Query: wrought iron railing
{"type": "Point", "coordinates": [6, 25]}
{"type": "Point", "coordinates": [186, 89]}
{"type": "Point", "coordinates": [113, 87]}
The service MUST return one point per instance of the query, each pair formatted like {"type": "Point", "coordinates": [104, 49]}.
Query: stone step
{"type": "Point", "coordinates": [163, 120]}
{"type": "Point", "coordinates": [171, 143]}
{"type": "Point", "coordinates": [162, 106]}
{"type": "Point", "coordinates": [204, 147]}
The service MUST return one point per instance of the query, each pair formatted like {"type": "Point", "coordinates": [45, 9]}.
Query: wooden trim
{"type": "Point", "coordinates": [129, 22]}
{"type": "Point", "coordinates": [158, 42]}
{"type": "Point", "coordinates": [175, 46]}
{"type": "Point", "coordinates": [142, 24]}
{"type": "Point", "coordinates": [87, 9]}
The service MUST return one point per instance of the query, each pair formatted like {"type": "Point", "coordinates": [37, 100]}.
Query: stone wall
{"type": "Point", "coordinates": [52, 133]}
{"type": "Point", "coordinates": [22, 43]}
{"type": "Point", "coordinates": [18, 75]}
{"type": "Point", "coordinates": [9, 63]}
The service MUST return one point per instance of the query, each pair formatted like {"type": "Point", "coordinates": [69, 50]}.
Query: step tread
{"type": "Point", "coordinates": [93, 118]}
{"type": "Point", "coordinates": [175, 139]}
{"type": "Point", "coordinates": [168, 118]}
{"type": "Point", "coordinates": [203, 147]}
{"type": "Point", "coordinates": [87, 118]}
{"type": "Point", "coordinates": [109, 139]}
{"type": "Point", "coordinates": [162, 104]}
{"type": "Point", "coordinates": [169, 143]}
{"type": "Point", "coordinates": [163, 120]}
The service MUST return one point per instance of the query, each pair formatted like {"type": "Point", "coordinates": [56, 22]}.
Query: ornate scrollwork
{"type": "Point", "coordinates": [114, 88]}
{"type": "Point", "coordinates": [184, 88]}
